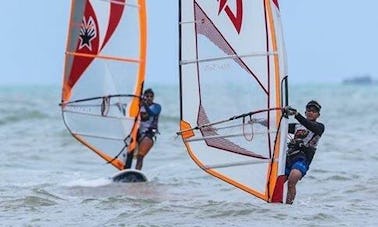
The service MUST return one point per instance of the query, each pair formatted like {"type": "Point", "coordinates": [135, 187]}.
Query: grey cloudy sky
{"type": "Point", "coordinates": [326, 40]}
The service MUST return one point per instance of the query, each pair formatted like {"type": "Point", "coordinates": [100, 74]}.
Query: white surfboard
{"type": "Point", "coordinates": [129, 176]}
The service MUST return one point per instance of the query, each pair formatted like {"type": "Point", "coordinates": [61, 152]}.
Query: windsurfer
{"type": "Point", "coordinates": [149, 116]}
{"type": "Point", "coordinates": [302, 147]}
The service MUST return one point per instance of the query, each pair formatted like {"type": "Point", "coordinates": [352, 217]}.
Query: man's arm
{"type": "Point", "coordinates": [315, 127]}
{"type": "Point", "coordinates": [153, 110]}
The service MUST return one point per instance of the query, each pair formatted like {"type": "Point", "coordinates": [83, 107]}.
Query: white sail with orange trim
{"type": "Point", "coordinates": [233, 85]}
{"type": "Point", "coordinates": [104, 74]}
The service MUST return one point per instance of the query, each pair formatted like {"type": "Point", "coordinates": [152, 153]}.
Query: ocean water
{"type": "Point", "coordinates": [49, 179]}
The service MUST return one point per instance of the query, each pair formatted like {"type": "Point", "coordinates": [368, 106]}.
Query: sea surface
{"type": "Point", "coordinates": [49, 179]}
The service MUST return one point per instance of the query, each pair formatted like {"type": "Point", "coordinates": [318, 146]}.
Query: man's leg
{"type": "Point", "coordinates": [129, 160]}
{"type": "Point", "coordinates": [294, 177]}
{"type": "Point", "coordinates": [139, 163]}
{"type": "Point", "coordinates": [144, 147]}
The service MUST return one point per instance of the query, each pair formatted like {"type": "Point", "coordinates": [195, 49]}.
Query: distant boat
{"type": "Point", "coordinates": [361, 80]}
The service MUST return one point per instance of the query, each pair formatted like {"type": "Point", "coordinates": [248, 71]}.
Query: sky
{"type": "Point", "coordinates": [326, 40]}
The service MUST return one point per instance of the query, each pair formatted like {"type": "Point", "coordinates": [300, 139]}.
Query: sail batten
{"type": "Point", "coordinates": [104, 72]}
{"type": "Point", "coordinates": [256, 54]}
{"type": "Point", "coordinates": [228, 136]}
{"type": "Point", "coordinates": [104, 57]}
{"type": "Point", "coordinates": [232, 62]}
{"type": "Point", "coordinates": [98, 136]}
{"type": "Point", "coordinates": [100, 115]}
{"type": "Point", "coordinates": [121, 2]}
{"type": "Point", "coordinates": [226, 165]}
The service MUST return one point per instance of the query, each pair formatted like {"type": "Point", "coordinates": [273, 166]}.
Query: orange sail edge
{"type": "Point", "coordinates": [115, 162]}
{"type": "Point", "coordinates": [66, 89]}
{"type": "Point", "coordinates": [186, 129]}
{"type": "Point", "coordinates": [274, 44]}
{"type": "Point", "coordinates": [135, 102]}
{"type": "Point", "coordinates": [263, 196]}
{"type": "Point", "coordinates": [66, 92]}
{"type": "Point", "coordinates": [241, 186]}
{"type": "Point", "coordinates": [275, 185]}
{"type": "Point", "coordinates": [133, 134]}
{"type": "Point", "coordinates": [276, 182]}
{"type": "Point", "coordinates": [273, 171]}
{"type": "Point", "coordinates": [134, 110]}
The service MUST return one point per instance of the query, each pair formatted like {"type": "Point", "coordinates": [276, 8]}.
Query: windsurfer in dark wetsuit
{"type": "Point", "coordinates": [149, 116]}
{"type": "Point", "coordinates": [302, 147]}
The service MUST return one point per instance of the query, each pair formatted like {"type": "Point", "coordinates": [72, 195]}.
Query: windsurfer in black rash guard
{"type": "Point", "coordinates": [149, 116]}
{"type": "Point", "coordinates": [302, 147]}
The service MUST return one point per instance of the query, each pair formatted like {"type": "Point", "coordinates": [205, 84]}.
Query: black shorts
{"type": "Point", "coordinates": [149, 133]}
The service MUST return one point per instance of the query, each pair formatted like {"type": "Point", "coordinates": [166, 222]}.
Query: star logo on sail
{"type": "Point", "coordinates": [235, 17]}
{"type": "Point", "coordinates": [87, 33]}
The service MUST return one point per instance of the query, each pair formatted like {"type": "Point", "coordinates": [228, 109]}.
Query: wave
{"type": "Point", "coordinates": [169, 119]}
{"type": "Point", "coordinates": [38, 198]}
{"type": "Point", "coordinates": [21, 115]}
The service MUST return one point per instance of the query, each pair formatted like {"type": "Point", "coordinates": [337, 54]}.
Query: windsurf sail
{"type": "Point", "coordinates": [233, 87]}
{"type": "Point", "coordinates": [104, 72]}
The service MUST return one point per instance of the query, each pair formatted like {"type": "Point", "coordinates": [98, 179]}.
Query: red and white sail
{"type": "Point", "coordinates": [233, 85]}
{"type": "Point", "coordinates": [104, 74]}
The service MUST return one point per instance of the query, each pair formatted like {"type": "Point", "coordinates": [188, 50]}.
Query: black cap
{"type": "Point", "coordinates": [314, 104]}
{"type": "Point", "coordinates": [149, 91]}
